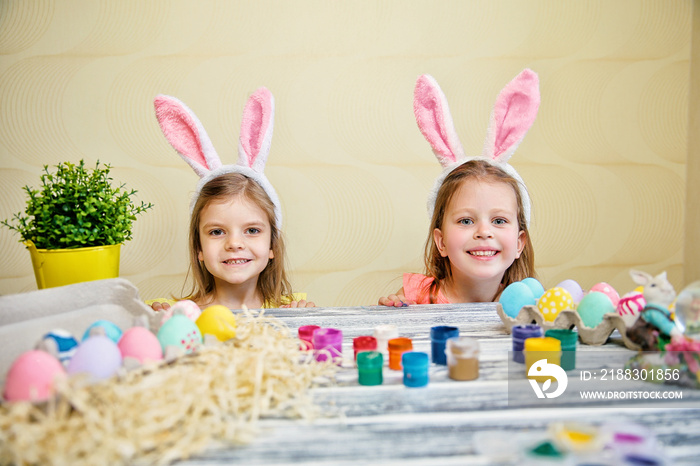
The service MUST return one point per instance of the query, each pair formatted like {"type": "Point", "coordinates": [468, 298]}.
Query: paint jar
{"type": "Point", "coordinates": [520, 334]}
{"type": "Point", "coordinates": [438, 336]}
{"type": "Point", "coordinates": [384, 333]}
{"type": "Point", "coordinates": [415, 368]}
{"type": "Point", "coordinates": [568, 339]}
{"type": "Point", "coordinates": [398, 346]}
{"type": "Point", "coordinates": [306, 335]}
{"type": "Point", "coordinates": [462, 358]}
{"type": "Point", "coordinates": [541, 348]}
{"type": "Point", "coordinates": [369, 367]}
{"type": "Point", "coordinates": [328, 343]}
{"type": "Point", "coordinates": [364, 343]}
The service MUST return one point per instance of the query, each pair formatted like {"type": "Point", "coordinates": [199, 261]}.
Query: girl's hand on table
{"type": "Point", "coordinates": [301, 303]}
{"type": "Point", "coordinates": [395, 300]}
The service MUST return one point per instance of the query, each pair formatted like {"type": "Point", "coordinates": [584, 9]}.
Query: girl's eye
{"type": "Point", "coordinates": [465, 221]}
{"type": "Point", "coordinates": [500, 221]}
{"type": "Point", "coordinates": [252, 231]}
{"type": "Point", "coordinates": [216, 232]}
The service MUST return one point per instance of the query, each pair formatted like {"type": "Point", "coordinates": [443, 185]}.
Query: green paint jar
{"type": "Point", "coordinates": [569, 339]}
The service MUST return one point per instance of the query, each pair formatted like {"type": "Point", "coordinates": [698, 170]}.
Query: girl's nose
{"type": "Point", "coordinates": [234, 243]}
{"type": "Point", "coordinates": [483, 231]}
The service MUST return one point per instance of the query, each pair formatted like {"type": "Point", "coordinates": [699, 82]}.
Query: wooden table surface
{"type": "Point", "coordinates": [448, 422]}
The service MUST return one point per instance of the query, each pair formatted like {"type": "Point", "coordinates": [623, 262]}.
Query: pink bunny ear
{"type": "Point", "coordinates": [513, 115]}
{"type": "Point", "coordinates": [186, 134]}
{"type": "Point", "coordinates": [256, 130]}
{"type": "Point", "coordinates": [435, 120]}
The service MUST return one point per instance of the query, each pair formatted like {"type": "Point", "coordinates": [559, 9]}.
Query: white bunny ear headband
{"type": "Point", "coordinates": [186, 134]}
{"type": "Point", "coordinates": [513, 114]}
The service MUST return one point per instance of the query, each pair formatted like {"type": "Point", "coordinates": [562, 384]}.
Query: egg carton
{"type": "Point", "coordinates": [570, 319]}
{"type": "Point", "coordinates": [26, 317]}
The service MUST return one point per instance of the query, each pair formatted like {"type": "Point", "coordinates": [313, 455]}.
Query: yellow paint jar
{"type": "Point", "coordinates": [538, 348]}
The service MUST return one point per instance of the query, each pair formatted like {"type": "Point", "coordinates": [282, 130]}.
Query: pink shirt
{"type": "Point", "coordinates": [416, 288]}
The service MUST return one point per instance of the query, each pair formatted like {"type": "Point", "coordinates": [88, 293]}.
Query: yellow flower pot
{"type": "Point", "coordinates": [58, 267]}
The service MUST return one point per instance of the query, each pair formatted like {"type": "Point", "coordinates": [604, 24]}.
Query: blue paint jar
{"type": "Point", "coordinates": [438, 338]}
{"type": "Point", "coordinates": [415, 368]}
{"type": "Point", "coordinates": [520, 334]}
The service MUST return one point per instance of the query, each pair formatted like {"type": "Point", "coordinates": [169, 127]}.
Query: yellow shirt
{"type": "Point", "coordinates": [267, 305]}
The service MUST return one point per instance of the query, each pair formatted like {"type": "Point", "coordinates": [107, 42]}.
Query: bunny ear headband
{"type": "Point", "coordinates": [513, 114]}
{"type": "Point", "coordinates": [186, 134]}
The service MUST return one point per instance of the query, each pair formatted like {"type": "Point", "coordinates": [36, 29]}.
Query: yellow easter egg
{"type": "Point", "coordinates": [219, 321]}
{"type": "Point", "coordinates": [553, 301]}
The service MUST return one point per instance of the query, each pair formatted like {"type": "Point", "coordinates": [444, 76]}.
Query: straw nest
{"type": "Point", "coordinates": [161, 413]}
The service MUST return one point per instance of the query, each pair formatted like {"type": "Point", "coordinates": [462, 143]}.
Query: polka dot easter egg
{"type": "Point", "coordinates": [553, 301]}
{"type": "Point", "coordinates": [180, 332]}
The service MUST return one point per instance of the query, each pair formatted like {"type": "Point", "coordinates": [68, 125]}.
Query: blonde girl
{"type": "Point", "coordinates": [236, 246]}
{"type": "Point", "coordinates": [478, 241]}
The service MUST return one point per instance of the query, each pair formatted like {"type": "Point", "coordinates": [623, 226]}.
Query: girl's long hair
{"type": "Point", "coordinates": [272, 282]}
{"type": "Point", "coordinates": [438, 267]}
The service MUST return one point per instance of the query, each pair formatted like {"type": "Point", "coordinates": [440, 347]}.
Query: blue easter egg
{"type": "Point", "coordinates": [66, 344]}
{"type": "Point", "coordinates": [111, 330]}
{"type": "Point", "coordinates": [535, 286]}
{"type": "Point", "coordinates": [514, 297]}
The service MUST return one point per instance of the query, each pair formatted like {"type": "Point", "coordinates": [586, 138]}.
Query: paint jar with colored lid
{"type": "Point", "coordinates": [384, 333]}
{"type": "Point", "coordinates": [306, 335]}
{"type": "Point", "coordinates": [462, 358]}
{"type": "Point", "coordinates": [328, 343]}
{"type": "Point", "coordinates": [569, 340]}
{"type": "Point", "coordinates": [538, 348]}
{"type": "Point", "coordinates": [520, 334]}
{"type": "Point", "coordinates": [369, 367]}
{"type": "Point", "coordinates": [398, 346]}
{"type": "Point", "coordinates": [438, 336]}
{"type": "Point", "coordinates": [415, 368]}
{"type": "Point", "coordinates": [364, 343]}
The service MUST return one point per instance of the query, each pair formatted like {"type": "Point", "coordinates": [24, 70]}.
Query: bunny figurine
{"type": "Point", "coordinates": [658, 294]}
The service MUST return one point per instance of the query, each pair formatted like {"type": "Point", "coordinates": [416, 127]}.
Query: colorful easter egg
{"type": "Point", "coordinates": [593, 307]}
{"type": "Point", "coordinates": [180, 331]}
{"type": "Point", "coordinates": [218, 321]}
{"type": "Point", "coordinates": [553, 301]}
{"type": "Point", "coordinates": [31, 377]}
{"type": "Point", "coordinates": [97, 356]}
{"type": "Point", "coordinates": [573, 288]}
{"type": "Point", "coordinates": [62, 342]}
{"type": "Point", "coordinates": [630, 305]}
{"type": "Point", "coordinates": [607, 290]}
{"type": "Point", "coordinates": [514, 297]}
{"type": "Point", "coordinates": [141, 344]}
{"type": "Point", "coordinates": [535, 286]}
{"type": "Point", "coordinates": [111, 330]}
{"type": "Point", "coordinates": [185, 307]}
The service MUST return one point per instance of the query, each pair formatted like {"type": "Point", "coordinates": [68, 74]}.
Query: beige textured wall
{"type": "Point", "coordinates": [692, 225]}
{"type": "Point", "coordinates": [605, 161]}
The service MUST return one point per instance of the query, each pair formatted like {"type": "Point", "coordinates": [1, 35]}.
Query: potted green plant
{"type": "Point", "coordinates": [75, 223]}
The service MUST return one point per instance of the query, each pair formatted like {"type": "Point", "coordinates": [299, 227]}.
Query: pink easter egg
{"type": "Point", "coordinates": [631, 304]}
{"type": "Point", "coordinates": [185, 307]}
{"type": "Point", "coordinates": [608, 291]}
{"type": "Point", "coordinates": [141, 344]}
{"type": "Point", "coordinates": [31, 377]}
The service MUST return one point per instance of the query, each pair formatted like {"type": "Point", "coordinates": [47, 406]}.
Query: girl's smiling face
{"type": "Point", "coordinates": [479, 232]}
{"type": "Point", "coordinates": [235, 239]}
